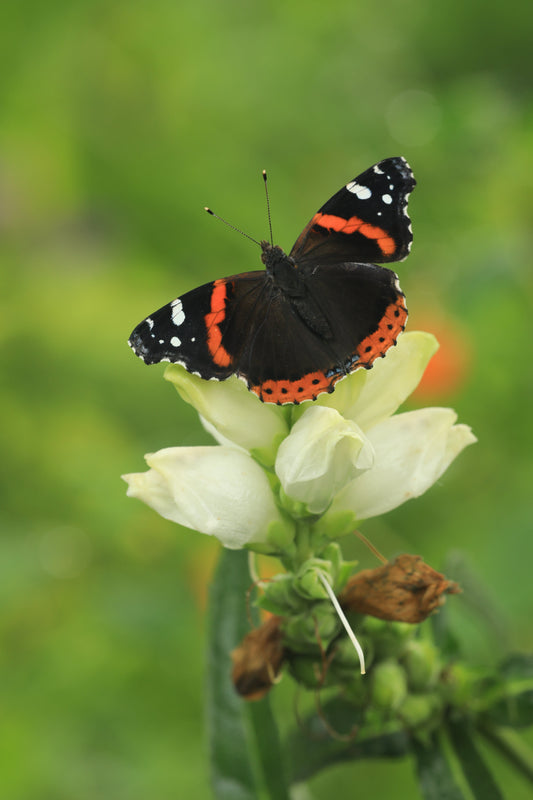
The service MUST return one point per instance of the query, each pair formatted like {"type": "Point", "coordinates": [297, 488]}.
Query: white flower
{"type": "Point", "coordinates": [321, 455]}
{"type": "Point", "coordinates": [346, 457]}
{"type": "Point", "coordinates": [231, 413]}
{"type": "Point", "coordinates": [412, 450]}
{"type": "Point", "coordinates": [219, 491]}
{"type": "Point", "coordinates": [367, 461]}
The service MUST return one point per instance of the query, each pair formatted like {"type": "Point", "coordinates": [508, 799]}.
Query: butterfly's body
{"type": "Point", "coordinates": [294, 329]}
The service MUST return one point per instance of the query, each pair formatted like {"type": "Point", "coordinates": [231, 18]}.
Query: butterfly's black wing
{"type": "Point", "coordinates": [295, 329]}
{"type": "Point", "coordinates": [365, 221]}
{"type": "Point", "coordinates": [190, 330]}
{"type": "Point", "coordinates": [244, 325]}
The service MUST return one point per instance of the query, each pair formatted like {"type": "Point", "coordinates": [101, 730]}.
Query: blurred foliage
{"type": "Point", "coordinates": [119, 121]}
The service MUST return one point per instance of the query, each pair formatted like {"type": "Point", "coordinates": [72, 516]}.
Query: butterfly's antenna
{"type": "Point", "coordinates": [233, 227]}
{"type": "Point", "coordinates": [268, 207]}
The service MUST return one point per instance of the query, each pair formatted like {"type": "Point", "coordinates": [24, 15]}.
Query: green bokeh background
{"type": "Point", "coordinates": [119, 121]}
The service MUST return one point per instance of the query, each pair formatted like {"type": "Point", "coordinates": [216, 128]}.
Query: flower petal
{"type": "Point", "coordinates": [412, 451]}
{"type": "Point", "coordinates": [320, 456]}
{"type": "Point", "coordinates": [219, 491]}
{"type": "Point", "coordinates": [392, 379]}
{"type": "Point", "coordinates": [232, 411]}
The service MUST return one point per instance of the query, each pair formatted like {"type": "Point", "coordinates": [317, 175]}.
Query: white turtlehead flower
{"type": "Point", "coordinates": [412, 450]}
{"type": "Point", "coordinates": [215, 490]}
{"type": "Point", "coordinates": [321, 455]}
{"type": "Point", "coordinates": [349, 453]}
{"type": "Point", "coordinates": [231, 413]}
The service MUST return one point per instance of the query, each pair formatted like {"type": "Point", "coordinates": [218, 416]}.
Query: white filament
{"type": "Point", "coordinates": [344, 621]}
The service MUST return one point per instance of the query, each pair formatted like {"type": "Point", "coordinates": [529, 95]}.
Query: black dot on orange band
{"type": "Point", "coordinates": [268, 391]}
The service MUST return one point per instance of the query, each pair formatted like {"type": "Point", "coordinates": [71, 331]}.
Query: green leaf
{"type": "Point", "coordinates": [509, 744]}
{"type": "Point", "coordinates": [475, 770]}
{"type": "Point", "coordinates": [516, 708]}
{"type": "Point", "coordinates": [269, 749]}
{"type": "Point", "coordinates": [435, 774]}
{"type": "Point", "coordinates": [512, 700]}
{"type": "Point", "coordinates": [517, 665]}
{"type": "Point", "coordinates": [243, 740]}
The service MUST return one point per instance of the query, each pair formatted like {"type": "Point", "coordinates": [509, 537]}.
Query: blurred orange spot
{"type": "Point", "coordinates": [447, 371]}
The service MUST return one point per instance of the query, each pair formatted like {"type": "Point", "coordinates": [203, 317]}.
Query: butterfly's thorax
{"type": "Point", "coordinates": [288, 279]}
{"type": "Point", "coordinates": [282, 269]}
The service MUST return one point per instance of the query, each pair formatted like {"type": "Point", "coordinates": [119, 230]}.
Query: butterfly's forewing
{"type": "Point", "coordinates": [190, 330]}
{"type": "Point", "coordinates": [365, 221]}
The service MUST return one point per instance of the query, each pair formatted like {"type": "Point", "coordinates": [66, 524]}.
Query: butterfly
{"type": "Point", "coordinates": [294, 329]}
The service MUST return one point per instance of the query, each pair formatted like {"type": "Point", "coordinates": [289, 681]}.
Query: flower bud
{"type": "Point", "coordinates": [308, 583]}
{"type": "Point", "coordinates": [389, 686]}
{"type": "Point", "coordinates": [310, 671]}
{"type": "Point", "coordinates": [422, 664]}
{"type": "Point", "coordinates": [280, 597]}
{"type": "Point", "coordinates": [389, 638]}
{"type": "Point", "coordinates": [345, 663]}
{"type": "Point", "coordinates": [316, 626]}
{"type": "Point", "coordinates": [421, 711]}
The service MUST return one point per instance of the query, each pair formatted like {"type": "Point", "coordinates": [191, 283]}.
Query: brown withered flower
{"type": "Point", "coordinates": [403, 590]}
{"type": "Point", "coordinates": [258, 659]}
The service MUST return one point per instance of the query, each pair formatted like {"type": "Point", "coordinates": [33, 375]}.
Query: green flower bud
{"type": "Point", "coordinates": [458, 683]}
{"type": "Point", "coordinates": [357, 690]}
{"type": "Point", "coordinates": [307, 581]}
{"type": "Point", "coordinates": [280, 597]}
{"type": "Point", "coordinates": [389, 638]}
{"type": "Point", "coordinates": [280, 533]}
{"type": "Point", "coordinates": [389, 686]}
{"type": "Point", "coordinates": [421, 711]}
{"type": "Point", "coordinates": [309, 671]}
{"type": "Point", "coordinates": [303, 632]}
{"type": "Point", "coordinates": [345, 663]}
{"type": "Point", "coordinates": [338, 524]}
{"type": "Point", "coordinates": [422, 664]}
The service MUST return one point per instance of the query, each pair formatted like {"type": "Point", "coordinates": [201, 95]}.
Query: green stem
{"type": "Point", "coordinates": [302, 540]}
{"type": "Point", "coordinates": [512, 746]}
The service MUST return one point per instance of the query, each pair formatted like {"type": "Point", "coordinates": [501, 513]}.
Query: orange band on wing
{"type": "Point", "coordinates": [386, 243]}
{"type": "Point", "coordinates": [307, 388]}
{"type": "Point", "coordinates": [218, 353]}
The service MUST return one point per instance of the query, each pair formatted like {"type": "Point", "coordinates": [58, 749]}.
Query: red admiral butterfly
{"type": "Point", "coordinates": [293, 330]}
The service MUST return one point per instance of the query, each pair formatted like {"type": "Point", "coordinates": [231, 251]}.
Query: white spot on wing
{"type": "Point", "coordinates": [377, 170]}
{"type": "Point", "coordinates": [175, 342]}
{"type": "Point", "coordinates": [362, 192]}
{"type": "Point", "coordinates": [178, 317]}
{"type": "Point", "coordinates": [387, 199]}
